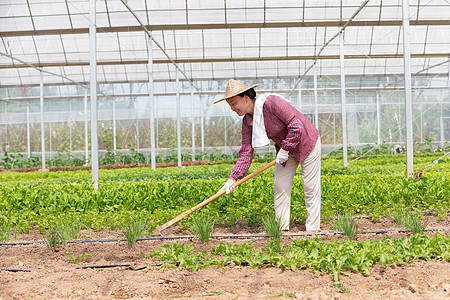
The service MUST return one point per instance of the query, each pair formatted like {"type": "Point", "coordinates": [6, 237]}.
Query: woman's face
{"type": "Point", "coordinates": [241, 105]}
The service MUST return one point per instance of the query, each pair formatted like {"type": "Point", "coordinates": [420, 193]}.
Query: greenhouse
{"type": "Point", "coordinates": [108, 120]}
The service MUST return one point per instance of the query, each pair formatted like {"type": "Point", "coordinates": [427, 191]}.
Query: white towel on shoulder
{"type": "Point", "coordinates": [259, 135]}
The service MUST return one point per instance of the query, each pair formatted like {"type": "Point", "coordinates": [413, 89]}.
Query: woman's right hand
{"type": "Point", "coordinates": [282, 156]}
{"type": "Point", "coordinates": [228, 186]}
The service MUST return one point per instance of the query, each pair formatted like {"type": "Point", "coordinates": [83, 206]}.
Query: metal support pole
{"type": "Point", "coordinates": [152, 104]}
{"type": "Point", "coordinates": [6, 137]}
{"type": "Point", "coordinates": [442, 109]}
{"type": "Point", "coordinates": [178, 119]}
{"type": "Point", "coordinates": [41, 92]}
{"type": "Point", "coordinates": [334, 129]}
{"type": "Point", "coordinates": [93, 90]}
{"type": "Point", "coordinates": [6, 131]}
{"type": "Point", "coordinates": [114, 126]}
{"type": "Point", "coordinates": [399, 122]}
{"type": "Point", "coordinates": [50, 129]}
{"type": "Point", "coordinates": [421, 118]}
{"type": "Point", "coordinates": [137, 144]}
{"type": "Point", "coordinates": [28, 130]}
{"type": "Point", "coordinates": [316, 113]}
{"type": "Point", "coordinates": [193, 124]}
{"type": "Point", "coordinates": [202, 123]}
{"type": "Point", "coordinates": [408, 98]}
{"type": "Point", "coordinates": [86, 137]}
{"type": "Point", "coordinates": [157, 128]}
{"type": "Point", "coordinates": [378, 118]}
{"type": "Point", "coordinates": [137, 134]}
{"type": "Point", "coordinates": [344, 111]}
{"type": "Point", "coordinates": [70, 127]}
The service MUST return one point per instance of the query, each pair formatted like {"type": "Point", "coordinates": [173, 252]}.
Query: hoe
{"type": "Point", "coordinates": [220, 193]}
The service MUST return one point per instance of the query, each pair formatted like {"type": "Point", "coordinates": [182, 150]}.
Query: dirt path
{"type": "Point", "coordinates": [55, 276]}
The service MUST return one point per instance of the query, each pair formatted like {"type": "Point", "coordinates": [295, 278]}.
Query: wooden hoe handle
{"type": "Point", "coordinates": [220, 193]}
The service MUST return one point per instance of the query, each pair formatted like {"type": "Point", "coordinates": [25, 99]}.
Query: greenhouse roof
{"type": "Point", "coordinates": [217, 40]}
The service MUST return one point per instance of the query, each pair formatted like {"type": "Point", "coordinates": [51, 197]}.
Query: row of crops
{"type": "Point", "coordinates": [333, 257]}
{"type": "Point", "coordinates": [372, 186]}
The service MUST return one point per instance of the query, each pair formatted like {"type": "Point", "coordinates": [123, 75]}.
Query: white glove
{"type": "Point", "coordinates": [282, 156]}
{"type": "Point", "coordinates": [228, 186]}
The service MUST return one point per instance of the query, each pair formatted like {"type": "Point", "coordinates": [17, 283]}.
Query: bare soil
{"type": "Point", "coordinates": [54, 275]}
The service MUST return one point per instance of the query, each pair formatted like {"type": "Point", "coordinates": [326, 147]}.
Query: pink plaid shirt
{"type": "Point", "coordinates": [285, 125]}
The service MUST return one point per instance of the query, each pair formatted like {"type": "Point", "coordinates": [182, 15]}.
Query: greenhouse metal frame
{"type": "Point", "coordinates": [365, 72]}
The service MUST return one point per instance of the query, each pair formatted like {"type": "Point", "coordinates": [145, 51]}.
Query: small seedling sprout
{"type": "Point", "coordinates": [133, 231]}
{"type": "Point", "coordinates": [347, 224]}
{"type": "Point", "coordinates": [202, 226]}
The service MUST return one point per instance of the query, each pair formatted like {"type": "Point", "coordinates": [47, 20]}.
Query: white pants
{"type": "Point", "coordinates": [311, 186]}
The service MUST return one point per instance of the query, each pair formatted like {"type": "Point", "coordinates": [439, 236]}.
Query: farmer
{"type": "Point", "coordinates": [271, 116]}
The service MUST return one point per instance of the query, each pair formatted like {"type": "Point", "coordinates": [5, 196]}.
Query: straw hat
{"type": "Point", "coordinates": [234, 88]}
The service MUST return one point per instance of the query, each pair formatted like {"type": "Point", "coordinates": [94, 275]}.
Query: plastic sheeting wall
{"type": "Point", "coordinates": [64, 116]}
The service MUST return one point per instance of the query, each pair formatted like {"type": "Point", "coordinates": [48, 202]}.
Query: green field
{"type": "Point", "coordinates": [372, 186]}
